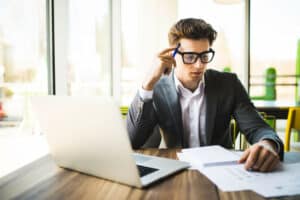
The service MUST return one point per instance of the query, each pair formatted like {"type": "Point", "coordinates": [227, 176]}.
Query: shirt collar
{"type": "Point", "coordinates": [184, 92]}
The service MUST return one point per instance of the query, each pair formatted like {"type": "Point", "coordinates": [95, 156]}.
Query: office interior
{"type": "Point", "coordinates": [104, 47]}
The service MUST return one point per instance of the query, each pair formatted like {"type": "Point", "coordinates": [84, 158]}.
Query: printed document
{"type": "Point", "coordinates": [221, 167]}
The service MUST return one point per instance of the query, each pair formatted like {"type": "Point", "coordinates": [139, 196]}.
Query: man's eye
{"type": "Point", "coordinates": [205, 57]}
{"type": "Point", "coordinates": [190, 57]}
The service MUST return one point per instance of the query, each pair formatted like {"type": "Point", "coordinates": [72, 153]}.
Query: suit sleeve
{"type": "Point", "coordinates": [250, 122]}
{"type": "Point", "coordinates": [141, 120]}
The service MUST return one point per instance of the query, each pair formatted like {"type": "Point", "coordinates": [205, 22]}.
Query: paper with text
{"type": "Point", "coordinates": [220, 166]}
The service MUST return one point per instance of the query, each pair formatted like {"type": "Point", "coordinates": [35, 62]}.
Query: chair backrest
{"type": "Point", "coordinates": [124, 110]}
{"type": "Point", "coordinates": [271, 120]}
{"type": "Point", "coordinates": [293, 122]}
{"type": "Point", "coordinates": [270, 85]}
{"type": "Point", "coordinates": [270, 88]}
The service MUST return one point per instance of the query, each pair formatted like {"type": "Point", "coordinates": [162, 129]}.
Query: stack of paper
{"type": "Point", "coordinates": [222, 168]}
{"type": "Point", "coordinates": [208, 156]}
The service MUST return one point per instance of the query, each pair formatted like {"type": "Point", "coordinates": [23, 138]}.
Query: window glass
{"type": "Point", "coordinates": [275, 32]}
{"type": "Point", "coordinates": [23, 57]}
{"type": "Point", "coordinates": [145, 26]}
{"type": "Point", "coordinates": [89, 52]}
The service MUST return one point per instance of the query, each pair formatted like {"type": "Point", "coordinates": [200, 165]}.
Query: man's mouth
{"type": "Point", "coordinates": [196, 73]}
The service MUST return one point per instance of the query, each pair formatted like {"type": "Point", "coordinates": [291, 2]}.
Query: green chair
{"type": "Point", "coordinates": [271, 120]}
{"type": "Point", "coordinates": [270, 85]}
{"type": "Point", "coordinates": [227, 69]}
{"type": "Point", "coordinates": [124, 110]}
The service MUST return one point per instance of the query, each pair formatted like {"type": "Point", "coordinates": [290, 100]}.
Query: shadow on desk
{"type": "Point", "coordinates": [43, 179]}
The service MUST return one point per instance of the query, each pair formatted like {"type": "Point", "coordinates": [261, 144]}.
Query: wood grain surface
{"type": "Point", "coordinates": [43, 179]}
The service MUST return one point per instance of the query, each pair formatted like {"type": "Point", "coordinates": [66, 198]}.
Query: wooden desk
{"type": "Point", "coordinates": [42, 179]}
{"type": "Point", "coordinates": [278, 109]}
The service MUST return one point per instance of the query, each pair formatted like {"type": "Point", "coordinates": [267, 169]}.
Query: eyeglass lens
{"type": "Point", "coordinates": [190, 58]}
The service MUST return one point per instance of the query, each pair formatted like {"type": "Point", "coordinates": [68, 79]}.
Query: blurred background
{"type": "Point", "coordinates": [103, 47]}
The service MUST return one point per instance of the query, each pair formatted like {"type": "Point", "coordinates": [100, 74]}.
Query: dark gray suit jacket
{"type": "Point", "coordinates": [225, 98]}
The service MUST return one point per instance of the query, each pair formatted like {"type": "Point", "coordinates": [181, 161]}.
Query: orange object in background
{"type": "Point", "coordinates": [2, 114]}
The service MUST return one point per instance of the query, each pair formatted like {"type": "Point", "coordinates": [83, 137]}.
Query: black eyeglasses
{"type": "Point", "coordinates": [192, 57]}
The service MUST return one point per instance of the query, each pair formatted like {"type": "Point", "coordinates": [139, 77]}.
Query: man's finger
{"type": "Point", "coordinates": [267, 164]}
{"type": "Point", "coordinates": [252, 158]}
{"type": "Point", "coordinates": [262, 157]}
{"type": "Point", "coordinates": [167, 62]}
{"type": "Point", "coordinates": [172, 60]}
{"type": "Point", "coordinates": [274, 163]}
{"type": "Point", "coordinates": [165, 56]}
{"type": "Point", "coordinates": [166, 51]}
{"type": "Point", "coordinates": [244, 156]}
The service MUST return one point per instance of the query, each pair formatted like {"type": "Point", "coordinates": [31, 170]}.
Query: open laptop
{"type": "Point", "coordinates": [88, 134]}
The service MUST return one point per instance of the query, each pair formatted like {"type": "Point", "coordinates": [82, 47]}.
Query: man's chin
{"type": "Point", "coordinates": [196, 77]}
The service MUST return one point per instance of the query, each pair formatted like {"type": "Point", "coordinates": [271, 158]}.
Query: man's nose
{"type": "Point", "coordinates": [198, 63]}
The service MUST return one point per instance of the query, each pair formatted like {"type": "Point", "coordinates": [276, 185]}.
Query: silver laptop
{"type": "Point", "coordinates": [88, 134]}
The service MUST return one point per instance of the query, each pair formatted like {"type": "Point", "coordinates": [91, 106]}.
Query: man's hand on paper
{"type": "Point", "coordinates": [261, 157]}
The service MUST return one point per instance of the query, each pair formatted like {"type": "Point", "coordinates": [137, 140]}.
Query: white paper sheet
{"type": "Point", "coordinates": [220, 166]}
{"type": "Point", "coordinates": [235, 177]}
{"type": "Point", "coordinates": [210, 156]}
{"type": "Point", "coordinates": [284, 183]}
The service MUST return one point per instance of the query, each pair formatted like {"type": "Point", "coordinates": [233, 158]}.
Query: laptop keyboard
{"type": "Point", "coordinates": [143, 171]}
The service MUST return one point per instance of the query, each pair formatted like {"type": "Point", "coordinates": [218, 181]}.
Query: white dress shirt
{"type": "Point", "coordinates": [193, 110]}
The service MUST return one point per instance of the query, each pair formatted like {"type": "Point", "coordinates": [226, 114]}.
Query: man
{"type": "Point", "coordinates": [193, 106]}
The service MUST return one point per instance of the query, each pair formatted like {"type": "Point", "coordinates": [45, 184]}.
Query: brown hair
{"type": "Point", "coordinates": [191, 28]}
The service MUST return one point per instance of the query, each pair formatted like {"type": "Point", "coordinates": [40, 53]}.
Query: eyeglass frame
{"type": "Point", "coordinates": [198, 55]}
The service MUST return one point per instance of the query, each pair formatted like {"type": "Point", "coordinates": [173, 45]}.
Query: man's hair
{"type": "Point", "coordinates": [191, 28]}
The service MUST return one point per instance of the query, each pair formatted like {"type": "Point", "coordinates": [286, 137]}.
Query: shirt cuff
{"type": "Point", "coordinates": [277, 144]}
{"type": "Point", "coordinates": [145, 95]}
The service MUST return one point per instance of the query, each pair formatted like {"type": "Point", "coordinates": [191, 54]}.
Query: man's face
{"type": "Point", "coordinates": [191, 74]}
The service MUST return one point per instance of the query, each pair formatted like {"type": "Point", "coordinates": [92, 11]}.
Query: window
{"type": "Point", "coordinates": [145, 26]}
{"type": "Point", "coordinates": [275, 31]}
{"type": "Point", "coordinates": [89, 48]}
{"type": "Point", "coordinates": [23, 56]}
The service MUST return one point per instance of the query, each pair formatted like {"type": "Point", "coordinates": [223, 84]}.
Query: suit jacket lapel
{"type": "Point", "coordinates": [172, 100]}
{"type": "Point", "coordinates": [211, 105]}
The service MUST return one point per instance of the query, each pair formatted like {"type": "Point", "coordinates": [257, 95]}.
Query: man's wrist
{"type": "Point", "coordinates": [146, 95]}
{"type": "Point", "coordinates": [148, 85]}
{"type": "Point", "coordinates": [270, 145]}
